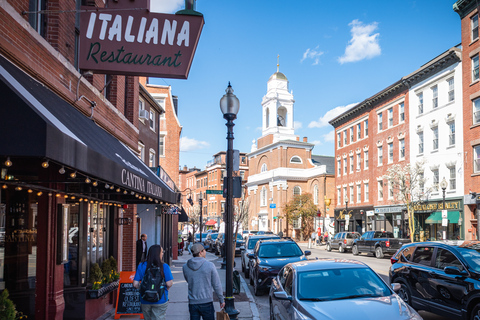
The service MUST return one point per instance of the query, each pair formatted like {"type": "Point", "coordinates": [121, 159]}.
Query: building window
{"type": "Point", "coordinates": [402, 149]}
{"type": "Point", "coordinates": [421, 182]}
{"type": "Point", "coordinates": [263, 197]}
{"type": "Point", "coordinates": [436, 179]}
{"type": "Point", "coordinates": [351, 135]}
{"type": "Point", "coordinates": [451, 133]}
{"type": "Point", "coordinates": [339, 196]}
{"type": "Point", "coordinates": [161, 145]}
{"type": "Point", "coordinates": [141, 109]}
{"type": "Point", "coordinates": [420, 142]}
{"type": "Point", "coordinates": [380, 122]}
{"type": "Point", "coordinates": [141, 151]}
{"type": "Point", "coordinates": [390, 117]}
{"type": "Point", "coordinates": [474, 26]}
{"type": "Point", "coordinates": [151, 158]}
{"type": "Point", "coordinates": [365, 159]}
{"type": "Point", "coordinates": [475, 68]}
{"type": "Point", "coordinates": [402, 112]}
{"type": "Point", "coordinates": [380, 156]}
{"type": "Point", "coordinates": [264, 168]}
{"type": "Point", "coordinates": [153, 116]}
{"type": "Point", "coordinates": [339, 139]}
{"type": "Point", "coordinates": [359, 161]}
{"type": "Point", "coordinates": [390, 152]}
{"type": "Point", "coordinates": [345, 138]}
{"type": "Point", "coordinates": [435, 96]}
{"type": "Point", "coordinates": [359, 193]}
{"type": "Point", "coordinates": [365, 186]}
{"type": "Point", "coordinates": [345, 166]}
{"type": "Point", "coordinates": [315, 194]}
{"type": "Point", "coordinates": [453, 178]}
{"type": "Point", "coordinates": [365, 127]}
{"type": "Point", "coordinates": [476, 111]}
{"type": "Point", "coordinates": [351, 194]}
{"type": "Point", "coordinates": [295, 159]}
{"type": "Point", "coordinates": [451, 90]}
{"type": "Point", "coordinates": [36, 17]}
{"type": "Point", "coordinates": [344, 194]}
{"type": "Point", "coordinates": [297, 191]}
{"type": "Point", "coordinates": [359, 131]}
{"type": "Point", "coordinates": [435, 138]}
{"type": "Point", "coordinates": [339, 167]}
{"type": "Point", "coordinates": [242, 175]}
{"type": "Point", "coordinates": [380, 189]}
{"type": "Point", "coordinates": [351, 164]}
{"type": "Point", "coordinates": [420, 103]}
{"type": "Point", "coordinates": [476, 159]}
{"type": "Point", "coordinates": [390, 191]}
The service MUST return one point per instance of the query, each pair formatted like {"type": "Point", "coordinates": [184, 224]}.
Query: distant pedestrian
{"type": "Point", "coordinates": [203, 279]}
{"type": "Point", "coordinates": [190, 242]}
{"type": "Point", "coordinates": [154, 310]}
{"type": "Point", "coordinates": [142, 249]}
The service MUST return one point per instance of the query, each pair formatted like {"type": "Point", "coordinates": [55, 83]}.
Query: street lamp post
{"type": "Point", "coordinates": [444, 185]}
{"type": "Point", "coordinates": [346, 213]}
{"type": "Point", "coordinates": [229, 104]}
{"type": "Point", "coordinates": [200, 202]}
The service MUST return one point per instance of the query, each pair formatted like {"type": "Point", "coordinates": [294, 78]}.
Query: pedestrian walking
{"type": "Point", "coordinates": [154, 310]}
{"type": "Point", "coordinates": [142, 249]}
{"type": "Point", "coordinates": [190, 242]}
{"type": "Point", "coordinates": [202, 278]}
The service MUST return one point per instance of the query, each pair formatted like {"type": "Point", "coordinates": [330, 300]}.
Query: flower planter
{"type": "Point", "coordinates": [98, 293]}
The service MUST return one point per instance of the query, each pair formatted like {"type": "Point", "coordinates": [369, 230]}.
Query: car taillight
{"type": "Point", "coordinates": [345, 241]}
{"type": "Point", "coordinates": [393, 260]}
{"type": "Point", "coordinates": [387, 243]}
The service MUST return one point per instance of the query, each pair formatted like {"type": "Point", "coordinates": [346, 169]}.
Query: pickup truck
{"type": "Point", "coordinates": [378, 243]}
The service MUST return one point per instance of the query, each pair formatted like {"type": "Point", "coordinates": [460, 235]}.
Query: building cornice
{"type": "Point", "coordinates": [281, 143]}
{"type": "Point", "coordinates": [464, 7]}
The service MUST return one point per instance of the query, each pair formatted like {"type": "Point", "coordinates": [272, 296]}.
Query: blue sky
{"type": "Point", "coordinates": [334, 54]}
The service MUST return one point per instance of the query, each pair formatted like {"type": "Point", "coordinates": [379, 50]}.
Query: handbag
{"type": "Point", "coordinates": [222, 315]}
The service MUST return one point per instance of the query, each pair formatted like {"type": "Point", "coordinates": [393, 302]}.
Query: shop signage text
{"type": "Point", "coordinates": [434, 206]}
{"type": "Point", "coordinates": [135, 182]}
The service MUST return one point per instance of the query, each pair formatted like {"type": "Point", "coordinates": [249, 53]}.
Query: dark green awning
{"type": "Point", "coordinates": [436, 217]}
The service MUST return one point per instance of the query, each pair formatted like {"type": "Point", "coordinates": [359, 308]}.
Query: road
{"type": "Point", "coordinates": [381, 266]}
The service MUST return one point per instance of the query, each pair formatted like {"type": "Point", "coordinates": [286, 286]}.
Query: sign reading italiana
{"type": "Point", "coordinates": [138, 42]}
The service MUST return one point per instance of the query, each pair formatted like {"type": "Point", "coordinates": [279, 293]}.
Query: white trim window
{"type": "Point", "coordinates": [297, 191]}
{"type": "Point", "coordinates": [315, 194]}
{"type": "Point", "coordinates": [475, 75]}
{"type": "Point", "coordinates": [390, 191]}
{"type": "Point", "coordinates": [380, 121]}
{"type": "Point", "coordinates": [390, 152]}
{"type": "Point", "coordinates": [451, 89]}
{"type": "Point", "coordinates": [296, 159]}
{"type": "Point", "coordinates": [421, 182]}
{"type": "Point", "coordinates": [380, 155]}
{"type": "Point", "coordinates": [451, 133]}
{"type": "Point", "coordinates": [420, 142]}
{"type": "Point", "coordinates": [420, 103]}
{"type": "Point", "coordinates": [264, 168]}
{"type": "Point", "coordinates": [435, 138]}
{"type": "Point", "coordinates": [474, 26]}
{"type": "Point", "coordinates": [436, 179]}
{"type": "Point", "coordinates": [365, 187]}
{"type": "Point", "coordinates": [476, 111]}
{"type": "Point", "coordinates": [351, 135]}
{"type": "Point", "coordinates": [453, 178]}
{"type": "Point", "coordinates": [401, 112]}
{"type": "Point", "coordinates": [380, 189]}
{"type": "Point", "coordinates": [345, 166]}
{"type": "Point", "coordinates": [153, 116]}
{"type": "Point", "coordinates": [351, 194]}
{"type": "Point", "coordinates": [339, 139]}
{"type": "Point", "coordinates": [339, 195]}
{"type": "Point", "coordinates": [151, 159]}
{"type": "Point", "coordinates": [390, 117]}
{"type": "Point", "coordinates": [359, 162]}
{"type": "Point", "coordinates": [401, 154]}
{"type": "Point", "coordinates": [263, 197]}
{"type": "Point", "coordinates": [339, 168]}
{"type": "Point", "coordinates": [345, 137]}
{"type": "Point", "coordinates": [141, 151]}
{"type": "Point", "coordinates": [344, 194]}
{"type": "Point", "coordinates": [161, 145]}
{"type": "Point", "coordinates": [476, 159]}
{"type": "Point", "coordinates": [365, 128]}
{"type": "Point", "coordinates": [351, 164]}
{"type": "Point", "coordinates": [359, 193]}
{"type": "Point", "coordinates": [435, 97]}
{"type": "Point", "coordinates": [365, 159]}
{"type": "Point", "coordinates": [141, 107]}
{"type": "Point", "coordinates": [359, 131]}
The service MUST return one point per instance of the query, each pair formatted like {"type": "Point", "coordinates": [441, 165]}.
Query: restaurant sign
{"type": "Point", "coordinates": [138, 42]}
{"type": "Point", "coordinates": [436, 206]}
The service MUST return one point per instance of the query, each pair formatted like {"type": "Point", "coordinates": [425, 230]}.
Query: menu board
{"type": "Point", "coordinates": [128, 298]}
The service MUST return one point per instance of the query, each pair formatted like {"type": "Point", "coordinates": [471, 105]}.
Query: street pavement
{"type": "Point", "coordinates": [178, 294]}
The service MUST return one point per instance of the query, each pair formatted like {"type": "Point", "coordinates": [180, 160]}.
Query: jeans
{"type": "Point", "coordinates": [204, 311]}
{"type": "Point", "coordinates": [155, 311]}
{"type": "Point", "coordinates": [190, 244]}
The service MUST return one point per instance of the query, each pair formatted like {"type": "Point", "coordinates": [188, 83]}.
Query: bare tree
{"type": "Point", "coordinates": [301, 207]}
{"type": "Point", "coordinates": [407, 184]}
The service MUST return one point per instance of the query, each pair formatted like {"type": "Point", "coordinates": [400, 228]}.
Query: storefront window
{"type": "Point", "coordinates": [96, 229]}
{"type": "Point", "coordinates": [71, 267]}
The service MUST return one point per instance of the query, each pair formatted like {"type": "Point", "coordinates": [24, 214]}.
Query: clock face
{"type": "Point", "coordinates": [280, 121]}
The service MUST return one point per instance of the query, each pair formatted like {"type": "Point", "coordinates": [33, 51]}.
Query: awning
{"type": "Point", "coordinates": [35, 122]}
{"type": "Point", "coordinates": [210, 223]}
{"type": "Point", "coordinates": [183, 217]}
{"type": "Point", "coordinates": [436, 217]}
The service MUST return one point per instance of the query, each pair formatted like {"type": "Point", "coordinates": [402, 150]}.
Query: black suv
{"type": "Point", "coordinates": [268, 257]}
{"type": "Point", "coordinates": [440, 277]}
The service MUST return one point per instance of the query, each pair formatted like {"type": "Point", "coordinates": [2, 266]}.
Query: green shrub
{"type": "Point", "coordinates": [7, 308]}
{"type": "Point", "coordinates": [96, 276]}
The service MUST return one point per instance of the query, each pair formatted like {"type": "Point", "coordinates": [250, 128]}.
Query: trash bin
{"type": "Point", "coordinates": [236, 282]}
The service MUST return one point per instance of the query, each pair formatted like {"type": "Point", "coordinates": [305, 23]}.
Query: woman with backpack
{"type": "Point", "coordinates": [157, 279]}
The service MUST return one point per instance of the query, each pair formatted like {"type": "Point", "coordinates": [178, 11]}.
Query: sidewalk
{"type": "Point", "coordinates": [178, 294]}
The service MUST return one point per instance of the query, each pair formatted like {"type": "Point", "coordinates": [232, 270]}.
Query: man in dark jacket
{"type": "Point", "coordinates": [142, 249]}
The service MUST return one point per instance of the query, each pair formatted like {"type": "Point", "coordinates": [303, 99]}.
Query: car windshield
{"type": "Point", "coordinates": [471, 253]}
{"type": "Point", "coordinates": [253, 241]}
{"type": "Point", "coordinates": [352, 236]}
{"type": "Point", "coordinates": [279, 250]}
{"type": "Point", "coordinates": [337, 284]}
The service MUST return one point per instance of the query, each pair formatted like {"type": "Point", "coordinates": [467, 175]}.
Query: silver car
{"type": "Point", "coordinates": [335, 289]}
{"type": "Point", "coordinates": [249, 246]}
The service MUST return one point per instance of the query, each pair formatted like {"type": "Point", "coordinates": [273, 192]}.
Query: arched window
{"type": "Point", "coordinates": [263, 197]}
{"type": "Point", "coordinates": [282, 117]}
{"type": "Point", "coordinates": [267, 118]}
{"type": "Point", "coordinates": [295, 159]}
{"type": "Point", "coordinates": [264, 168]}
{"type": "Point", "coordinates": [315, 194]}
{"type": "Point", "coordinates": [297, 191]}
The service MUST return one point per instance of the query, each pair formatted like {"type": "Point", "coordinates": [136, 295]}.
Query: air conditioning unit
{"type": "Point", "coordinates": [144, 114]}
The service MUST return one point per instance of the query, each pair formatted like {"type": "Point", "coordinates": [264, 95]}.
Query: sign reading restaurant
{"type": "Point", "coordinates": [138, 42]}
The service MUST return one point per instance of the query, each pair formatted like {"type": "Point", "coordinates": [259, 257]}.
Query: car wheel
{"type": "Point", "coordinates": [404, 293]}
{"type": "Point", "coordinates": [329, 248]}
{"type": "Point", "coordinates": [476, 313]}
{"type": "Point", "coordinates": [355, 250]}
{"type": "Point", "coordinates": [272, 316]}
{"type": "Point", "coordinates": [378, 253]}
{"type": "Point", "coordinates": [341, 249]}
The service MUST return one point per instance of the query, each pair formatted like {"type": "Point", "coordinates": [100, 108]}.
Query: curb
{"type": "Point", "coordinates": [253, 305]}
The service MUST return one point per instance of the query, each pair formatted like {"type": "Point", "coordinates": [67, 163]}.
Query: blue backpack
{"type": "Point", "coordinates": [152, 287]}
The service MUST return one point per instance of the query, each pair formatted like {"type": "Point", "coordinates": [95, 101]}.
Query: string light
{"type": "Point", "coordinates": [8, 162]}
{"type": "Point", "coordinates": [65, 196]}
{"type": "Point", "coordinates": [39, 193]}
{"type": "Point", "coordinates": [87, 180]}
{"type": "Point", "coordinates": [73, 175]}
{"type": "Point", "coordinates": [4, 186]}
{"type": "Point", "coordinates": [57, 195]}
{"type": "Point", "coordinates": [45, 164]}
{"type": "Point", "coordinates": [18, 188]}
{"type": "Point", "coordinates": [62, 170]}
{"type": "Point", "coordinates": [118, 189]}
{"type": "Point", "coordinates": [95, 183]}
{"type": "Point", "coordinates": [29, 190]}
{"type": "Point", "coordinates": [107, 186]}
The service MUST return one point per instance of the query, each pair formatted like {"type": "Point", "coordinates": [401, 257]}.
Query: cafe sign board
{"type": "Point", "coordinates": [138, 42]}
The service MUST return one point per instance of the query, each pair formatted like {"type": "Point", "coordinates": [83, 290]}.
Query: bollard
{"type": "Point", "coordinates": [309, 243]}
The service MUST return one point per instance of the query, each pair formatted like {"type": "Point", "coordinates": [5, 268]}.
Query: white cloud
{"type": "Point", "coordinates": [329, 137]}
{"type": "Point", "coordinates": [313, 54]}
{"type": "Point", "coordinates": [363, 45]}
{"type": "Point", "coordinates": [297, 125]}
{"type": "Point", "coordinates": [166, 6]}
{"type": "Point", "coordinates": [188, 144]}
{"type": "Point", "coordinates": [323, 121]}
{"type": "Point", "coordinates": [316, 142]}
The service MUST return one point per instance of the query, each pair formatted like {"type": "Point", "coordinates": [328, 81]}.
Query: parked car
{"type": "Point", "coordinates": [249, 246]}
{"type": "Point", "coordinates": [342, 241]}
{"type": "Point", "coordinates": [268, 257]}
{"type": "Point", "coordinates": [440, 277]}
{"type": "Point", "coordinates": [219, 244]}
{"type": "Point", "coordinates": [378, 243]}
{"type": "Point", "coordinates": [334, 289]}
{"type": "Point", "coordinates": [264, 232]}
{"type": "Point", "coordinates": [197, 237]}
{"type": "Point", "coordinates": [247, 233]}
{"type": "Point", "coordinates": [210, 241]}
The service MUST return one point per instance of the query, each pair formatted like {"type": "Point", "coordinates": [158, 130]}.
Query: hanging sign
{"type": "Point", "coordinates": [134, 41]}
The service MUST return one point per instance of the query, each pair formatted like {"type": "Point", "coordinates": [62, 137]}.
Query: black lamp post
{"type": "Point", "coordinates": [200, 203]}
{"type": "Point", "coordinates": [444, 185]}
{"type": "Point", "coordinates": [229, 104]}
{"type": "Point", "coordinates": [346, 213]}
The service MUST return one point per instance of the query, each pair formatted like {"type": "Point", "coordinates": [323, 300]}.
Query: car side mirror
{"type": "Point", "coordinates": [307, 252]}
{"type": "Point", "coordinates": [282, 295]}
{"type": "Point", "coordinates": [396, 286]}
{"type": "Point", "coordinates": [251, 256]}
{"type": "Point", "coordinates": [453, 270]}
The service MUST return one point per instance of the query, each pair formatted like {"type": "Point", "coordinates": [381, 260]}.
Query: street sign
{"type": "Point", "coordinates": [273, 205]}
{"type": "Point", "coordinates": [214, 191]}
